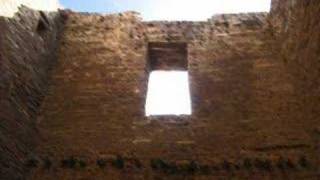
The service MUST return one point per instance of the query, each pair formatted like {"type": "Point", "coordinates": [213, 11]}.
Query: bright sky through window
{"type": "Point", "coordinates": [168, 93]}
{"type": "Point", "coordinates": [192, 10]}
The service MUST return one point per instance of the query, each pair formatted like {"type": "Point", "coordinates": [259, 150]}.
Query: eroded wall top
{"type": "Point", "coordinates": [9, 7]}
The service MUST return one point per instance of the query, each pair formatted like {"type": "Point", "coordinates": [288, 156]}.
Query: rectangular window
{"type": "Point", "coordinates": [168, 93]}
{"type": "Point", "coordinates": [168, 87]}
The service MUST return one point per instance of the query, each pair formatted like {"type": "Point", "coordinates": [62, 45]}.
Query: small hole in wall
{"type": "Point", "coordinates": [168, 93]}
{"type": "Point", "coordinates": [41, 27]}
{"type": "Point", "coordinates": [43, 23]}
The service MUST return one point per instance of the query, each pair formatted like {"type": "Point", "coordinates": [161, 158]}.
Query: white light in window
{"type": "Point", "coordinates": [168, 93]}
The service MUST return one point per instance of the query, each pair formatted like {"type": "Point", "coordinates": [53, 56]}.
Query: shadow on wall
{"type": "Point", "coordinates": [28, 44]}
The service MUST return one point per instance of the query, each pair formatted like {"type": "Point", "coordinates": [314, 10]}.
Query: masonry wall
{"type": "Point", "coordinates": [298, 41]}
{"type": "Point", "coordinates": [297, 33]}
{"type": "Point", "coordinates": [254, 89]}
{"type": "Point", "coordinates": [9, 7]}
{"type": "Point", "coordinates": [28, 44]}
{"type": "Point", "coordinates": [242, 98]}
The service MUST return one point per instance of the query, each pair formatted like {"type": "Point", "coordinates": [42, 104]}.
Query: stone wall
{"type": "Point", "coordinates": [254, 89]}
{"type": "Point", "coordinates": [9, 7]}
{"type": "Point", "coordinates": [242, 103]}
{"type": "Point", "coordinates": [298, 43]}
{"type": "Point", "coordinates": [28, 44]}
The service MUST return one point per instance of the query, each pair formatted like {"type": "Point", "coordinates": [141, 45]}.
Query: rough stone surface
{"type": "Point", "coordinates": [296, 30]}
{"type": "Point", "coordinates": [167, 56]}
{"type": "Point", "coordinates": [27, 54]}
{"type": "Point", "coordinates": [9, 7]}
{"type": "Point", "coordinates": [254, 88]}
{"type": "Point", "coordinates": [241, 100]}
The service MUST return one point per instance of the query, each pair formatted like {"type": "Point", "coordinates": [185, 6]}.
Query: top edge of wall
{"type": "Point", "coordinates": [9, 7]}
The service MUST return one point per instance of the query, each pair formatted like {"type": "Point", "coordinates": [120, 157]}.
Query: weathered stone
{"type": "Point", "coordinates": [26, 58]}
{"type": "Point", "coordinates": [254, 89]}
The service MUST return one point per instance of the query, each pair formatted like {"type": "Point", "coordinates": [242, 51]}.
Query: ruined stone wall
{"type": "Point", "coordinates": [298, 42]}
{"type": "Point", "coordinates": [28, 43]}
{"type": "Point", "coordinates": [240, 91]}
{"type": "Point", "coordinates": [254, 89]}
{"type": "Point", "coordinates": [9, 7]}
{"type": "Point", "coordinates": [93, 122]}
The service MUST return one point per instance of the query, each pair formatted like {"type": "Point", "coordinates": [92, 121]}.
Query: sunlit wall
{"type": "Point", "coordinates": [9, 7]}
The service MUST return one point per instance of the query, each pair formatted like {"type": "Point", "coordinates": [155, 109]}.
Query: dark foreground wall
{"type": "Point", "coordinates": [27, 53]}
{"type": "Point", "coordinates": [297, 30]}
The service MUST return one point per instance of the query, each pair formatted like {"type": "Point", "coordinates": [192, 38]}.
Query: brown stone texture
{"type": "Point", "coordinates": [167, 56]}
{"type": "Point", "coordinates": [26, 57]}
{"type": "Point", "coordinates": [254, 90]}
{"type": "Point", "coordinates": [296, 31]}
